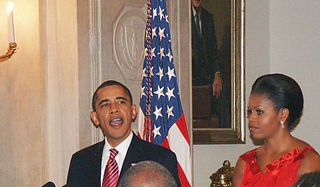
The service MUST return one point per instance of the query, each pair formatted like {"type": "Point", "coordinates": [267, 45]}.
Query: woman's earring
{"type": "Point", "coordinates": [282, 124]}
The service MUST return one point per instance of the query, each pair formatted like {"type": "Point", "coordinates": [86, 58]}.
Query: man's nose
{"type": "Point", "coordinates": [114, 108]}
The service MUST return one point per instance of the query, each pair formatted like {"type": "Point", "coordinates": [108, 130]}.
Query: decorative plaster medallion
{"type": "Point", "coordinates": [128, 40]}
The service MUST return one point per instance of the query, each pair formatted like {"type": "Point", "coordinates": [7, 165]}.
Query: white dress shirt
{"type": "Point", "coordinates": [122, 148]}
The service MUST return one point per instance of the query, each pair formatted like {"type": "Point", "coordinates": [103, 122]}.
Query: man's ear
{"type": "Point", "coordinates": [134, 112]}
{"type": "Point", "coordinates": [284, 114]}
{"type": "Point", "coordinates": [94, 119]}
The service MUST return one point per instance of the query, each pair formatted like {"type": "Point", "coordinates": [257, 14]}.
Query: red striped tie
{"type": "Point", "coordinates": [111, 173]}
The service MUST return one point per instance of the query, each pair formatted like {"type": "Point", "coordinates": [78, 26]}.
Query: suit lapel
{"type": "Point", "coordinates": [96, 164]}
{"type": "Point", "coordinates": [204, 24]}
{"type": "Point", "coordinates": [133, 154]}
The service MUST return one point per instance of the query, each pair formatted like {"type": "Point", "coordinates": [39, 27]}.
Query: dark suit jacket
{"type": "Point", "coordinates": [205, 58]}
{"type": "Point", "coordinates": [85, 165]}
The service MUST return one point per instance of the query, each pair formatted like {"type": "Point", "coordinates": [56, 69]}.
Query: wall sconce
{"type": "Point", "coordinates": [12, 44]}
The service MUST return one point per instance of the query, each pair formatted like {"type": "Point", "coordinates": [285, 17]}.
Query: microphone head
{"type": "Point", "coordinates": [49, 184]}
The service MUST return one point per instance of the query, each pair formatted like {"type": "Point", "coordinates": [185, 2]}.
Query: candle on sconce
{"type": "Point", "coordinates": [10, 22]}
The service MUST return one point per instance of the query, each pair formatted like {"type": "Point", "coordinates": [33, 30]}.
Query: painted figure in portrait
{"type": "Point", "coordinates": [211, 63]}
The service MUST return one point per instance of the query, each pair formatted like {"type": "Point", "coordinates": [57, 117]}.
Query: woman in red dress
{"type": "Point", "coordinates": [274, 109]}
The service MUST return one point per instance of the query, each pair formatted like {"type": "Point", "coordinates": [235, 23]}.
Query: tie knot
{"type": "Point", "coordinates": [113, 153]}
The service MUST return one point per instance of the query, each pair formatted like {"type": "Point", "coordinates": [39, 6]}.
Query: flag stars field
{"type": "Point", "coordinates": [158, 112]}
{"type": "Point", "coordinates": [169, 111]}
{"type": "Point", "coordinates": [161, 119]}
{"type": "Point", "coordinates": [171, 73]}
{"type": "Point", "coordinates": [169, 93]}
{"type": "Point", "coordinates": [159, 92]}
{"type": "Point", "coordinates": [160, 73]}
{"type": "Point", "coordinates": [156, 131]}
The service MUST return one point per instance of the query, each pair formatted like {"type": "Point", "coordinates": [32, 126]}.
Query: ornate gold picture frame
{"type": "Point", "coordinates": [234, 131]}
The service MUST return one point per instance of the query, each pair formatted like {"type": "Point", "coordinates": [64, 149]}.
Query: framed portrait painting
{"type": "Point", "coordinates": [218, 94]}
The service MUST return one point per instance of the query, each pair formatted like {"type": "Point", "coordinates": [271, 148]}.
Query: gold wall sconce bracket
{"type": "Point", "coordinates": [11, 50]}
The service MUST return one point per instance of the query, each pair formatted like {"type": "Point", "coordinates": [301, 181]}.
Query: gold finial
{"type": "Point", "coordinates": [223, 176]}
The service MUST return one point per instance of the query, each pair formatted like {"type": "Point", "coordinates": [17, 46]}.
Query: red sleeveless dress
{"type": "Point", "coordinates": [282, 172]}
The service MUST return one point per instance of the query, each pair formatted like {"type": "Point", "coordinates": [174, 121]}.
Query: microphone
{"type": "Point", "coordinates": [49, 184]}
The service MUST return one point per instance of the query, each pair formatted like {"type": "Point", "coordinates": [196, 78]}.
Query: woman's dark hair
{"type": "Point", "coordinates": [284, 92]}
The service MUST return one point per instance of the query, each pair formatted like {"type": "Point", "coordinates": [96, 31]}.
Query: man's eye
{"type": "Point", "coordinates": [259, 112]}
{"type": "Point", "coordinates": [104, 105]}
{"type": "Point", "coordinates": [122, 102]}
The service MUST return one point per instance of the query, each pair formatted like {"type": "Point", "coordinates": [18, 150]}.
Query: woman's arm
{"type": "Point", "coordinates": [309, 163]}
{"type": "Point", "coordinates": [238, 172]}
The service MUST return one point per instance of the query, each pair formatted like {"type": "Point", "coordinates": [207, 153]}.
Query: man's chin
{"type": "Point", "coordinates": [119, 134]}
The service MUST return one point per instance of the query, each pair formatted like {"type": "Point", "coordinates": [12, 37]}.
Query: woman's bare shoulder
{"type": "Point", "coordinates": [300, 144]}
{"type": "Point", "coordinates": [309, 163]}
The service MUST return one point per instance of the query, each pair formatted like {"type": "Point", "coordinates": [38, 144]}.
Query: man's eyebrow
{"type": "Point", "coordinates": [122, 98]}
{"type": "Point", "coordinates": [105, 100]}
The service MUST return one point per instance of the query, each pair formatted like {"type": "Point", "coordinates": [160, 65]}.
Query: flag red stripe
{"type": "Point", "coordinates": [183, 179]}
{"type": "Point", "coordinates": [181, 123]}
{"type": "Point", "coordinates": [165, 143]}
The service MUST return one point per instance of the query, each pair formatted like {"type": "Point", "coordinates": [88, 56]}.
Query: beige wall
{"type": "Point", "coordinates": [22, 100]}
{"type": "Point", "coordinates": [294, 50]}
{"type": "Point", "coordinates": [39, 93]}
{"type": "Point", "coordinates": [43, 101]}
{"type": "Point", "coordinates": [59, 54]}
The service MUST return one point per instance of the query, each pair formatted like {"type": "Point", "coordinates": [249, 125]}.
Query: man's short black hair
{"type": "Point", "coordinates": [109, 83]}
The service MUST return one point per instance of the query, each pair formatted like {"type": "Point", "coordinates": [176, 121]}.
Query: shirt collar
{"type": "Point", "coordinates": [122, 147]}
{"type": "Point", "coordinates": [194, 12]}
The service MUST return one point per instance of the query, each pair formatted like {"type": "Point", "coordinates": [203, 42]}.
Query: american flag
{"type": "Point", "coordinates": [161, 118]}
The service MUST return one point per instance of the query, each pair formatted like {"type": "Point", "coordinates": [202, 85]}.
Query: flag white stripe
{"type": "Point", "coordinates": [180, 146]}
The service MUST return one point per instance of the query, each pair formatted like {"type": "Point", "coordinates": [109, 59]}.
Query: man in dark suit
{"type": "Point", "coordinates": [205, 58]}
{"type": "Point", "coordinates": [114, 112]}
